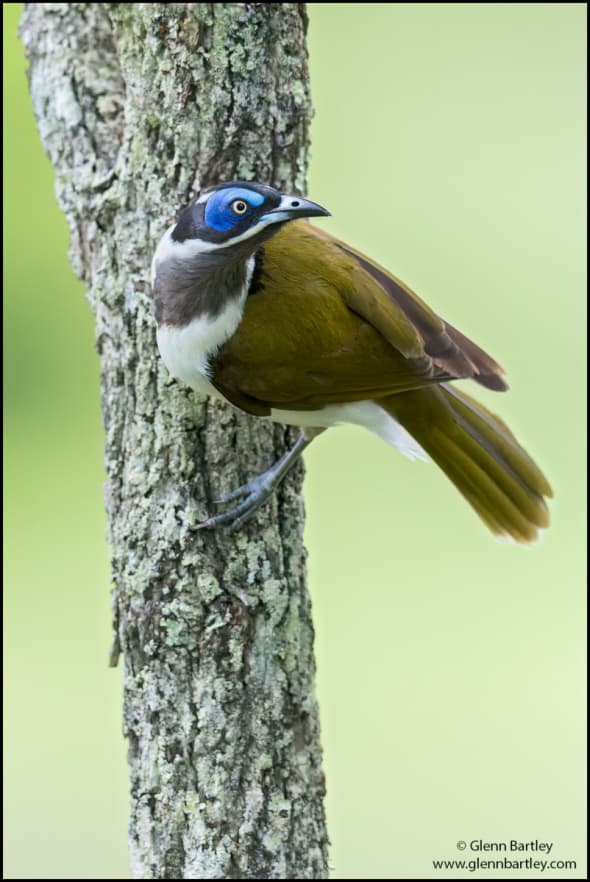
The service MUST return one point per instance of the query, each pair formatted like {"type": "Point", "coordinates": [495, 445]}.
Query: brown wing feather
{"type": "Point", "coordinates": [449, 349]}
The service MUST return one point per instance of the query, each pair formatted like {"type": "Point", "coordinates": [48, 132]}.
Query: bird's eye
{"type": "Point", "coordinates": [239, 206]}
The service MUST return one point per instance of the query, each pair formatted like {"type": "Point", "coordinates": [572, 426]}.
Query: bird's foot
{"type": "Point", "coordinates": [253, 494]}
{"type": "Point", "coordinates": [256, 492]}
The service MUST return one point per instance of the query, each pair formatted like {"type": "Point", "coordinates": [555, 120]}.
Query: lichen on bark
{"type": "Point", "coordinates": [138, 106]}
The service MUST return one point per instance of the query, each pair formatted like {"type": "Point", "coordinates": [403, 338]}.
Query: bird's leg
{"type": "Point", "coordinates": [258, 490]}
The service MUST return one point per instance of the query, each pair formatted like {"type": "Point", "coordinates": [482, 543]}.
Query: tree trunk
{"type": "Point", "coordinates": [139, 106]}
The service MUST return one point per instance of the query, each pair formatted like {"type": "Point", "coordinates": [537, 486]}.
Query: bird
{"type": "Point", "coordinates": [256, 306]}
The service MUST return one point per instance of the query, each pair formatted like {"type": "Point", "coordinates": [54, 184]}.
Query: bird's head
{"type": "Point", "coordinates": [234, 218]}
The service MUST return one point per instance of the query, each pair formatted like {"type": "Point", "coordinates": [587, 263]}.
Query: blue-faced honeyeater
{"type": "Point", "coordinates": [258, 307]}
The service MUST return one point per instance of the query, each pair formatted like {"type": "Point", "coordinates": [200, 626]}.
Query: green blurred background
{"type": "Point", "coordinates": [449, 144]}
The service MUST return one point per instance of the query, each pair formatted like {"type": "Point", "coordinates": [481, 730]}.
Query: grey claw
{"type": "Point", "coordinates": [239, 522]}
{"type": "Point", "coordinates": [232, 494]}
{"type": "Point", "coordinates": [257, 493]}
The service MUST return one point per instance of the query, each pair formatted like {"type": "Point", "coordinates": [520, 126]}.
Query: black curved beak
{"type": "Point", "coordinates": [291, 207]}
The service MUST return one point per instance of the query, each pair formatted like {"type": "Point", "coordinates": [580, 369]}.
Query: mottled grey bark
{"type": "Point", "coordinates": [138, 106]}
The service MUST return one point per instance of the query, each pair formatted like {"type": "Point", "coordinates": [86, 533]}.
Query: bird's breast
{"type": "Point", "coordinates": [187, 349]}
{"type": "Point", "coordinates": [186, 352]}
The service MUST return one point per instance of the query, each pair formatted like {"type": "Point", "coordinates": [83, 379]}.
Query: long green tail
{"type": "Point", "coordinates": [480, 455]}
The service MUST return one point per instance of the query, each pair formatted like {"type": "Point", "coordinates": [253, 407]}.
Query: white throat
{"type": "Point", "coordinates": [187, 351]}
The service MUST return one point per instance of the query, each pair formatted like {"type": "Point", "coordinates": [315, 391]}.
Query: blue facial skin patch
{"type": "Point", "coordinates": [218, 214]}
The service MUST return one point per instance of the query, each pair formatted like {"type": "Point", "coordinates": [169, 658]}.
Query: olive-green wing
{"type": "Point", "coordinates": [320, 328]}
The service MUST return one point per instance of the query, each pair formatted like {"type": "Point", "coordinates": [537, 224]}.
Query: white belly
{"type": "Point", "coordinates": [359, 413]}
